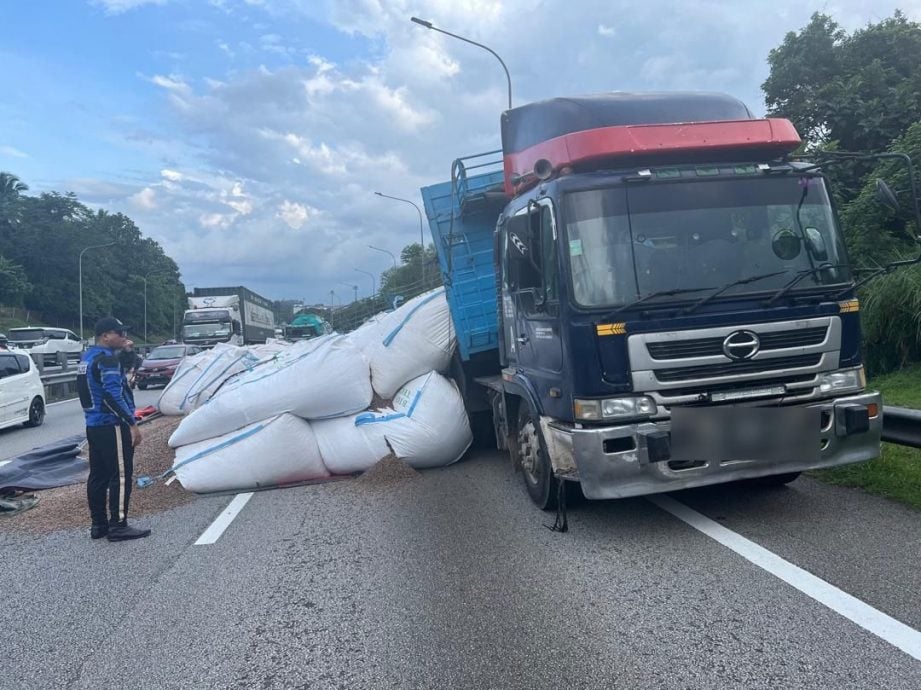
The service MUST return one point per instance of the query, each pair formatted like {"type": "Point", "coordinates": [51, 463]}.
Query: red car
{"type": "Point", "coordinates": [160, 365]}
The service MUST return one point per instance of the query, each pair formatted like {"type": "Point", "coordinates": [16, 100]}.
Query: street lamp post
{"type": "Point", "coordinates": [378, 249]}
{"type": "Point", "coordinates": [354, 287]}
{"type": "Point", "coordinates": [373, 281]}
{"type": "Point", "coordinates": [421, 229]}
{"type": "Point", "coordinates": [146, 276]}
{"type": "Point", "coordinates": [428, 25]}
{"type": "Point", "coordinates": [80, 279]}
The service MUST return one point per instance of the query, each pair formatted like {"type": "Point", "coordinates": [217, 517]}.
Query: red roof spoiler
{"type": "Point", "coordinates": [775, 136]}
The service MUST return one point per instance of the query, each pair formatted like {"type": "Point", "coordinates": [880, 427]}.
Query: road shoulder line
{"type": "Point", "coordinates": [870, 619]}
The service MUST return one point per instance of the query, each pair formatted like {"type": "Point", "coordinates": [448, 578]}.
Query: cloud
{"type": "Point", "coordinates": [294, 214]}
{"type": "Point", "coordinates": [269, 162]}
{"type": "Point", "coordinates": [144, 199]}
{"type": "Point", "coordinates": [120, 6]}
{"type": "Point", "coordinates": [12, 152]}
{"type": "Point", "coordinates": [606, 31]}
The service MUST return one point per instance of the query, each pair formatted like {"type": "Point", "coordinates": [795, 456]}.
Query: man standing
{"type": "Point", "coordinates": [111, 431]}
{"type": "Point", "coordinates": [130, 361]}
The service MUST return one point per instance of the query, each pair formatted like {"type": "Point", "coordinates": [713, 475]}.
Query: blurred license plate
{"type": "Point", "coordinates": [769, 434]}
{"type": "Point", "coordinates": [747, 394]}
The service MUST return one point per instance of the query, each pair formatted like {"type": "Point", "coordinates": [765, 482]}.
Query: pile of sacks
{"type": "Point", "coordinates": [281, 414]}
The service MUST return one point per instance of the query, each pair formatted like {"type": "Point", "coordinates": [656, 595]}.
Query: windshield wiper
{"type": "Point", "coordinates": [652, 295]}
{"type": "Point", "coordinates": [741, 281]}
{"type": "Point", "coordinates": [797, 278]}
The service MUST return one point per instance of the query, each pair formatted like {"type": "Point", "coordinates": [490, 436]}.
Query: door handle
{"type": "Point", "coordinates": [522, 339]}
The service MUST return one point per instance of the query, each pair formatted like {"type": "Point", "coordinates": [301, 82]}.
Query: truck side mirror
{"type": "Point", "coordinates": [236, 328]}
{"type": "Point", "coordinates": [886, 196]}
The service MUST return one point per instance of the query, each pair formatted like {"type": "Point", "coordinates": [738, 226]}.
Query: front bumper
{"type": "Point", "coordinates": [153, 378]}
{"type": "Point", "coordinates": [614, 462]}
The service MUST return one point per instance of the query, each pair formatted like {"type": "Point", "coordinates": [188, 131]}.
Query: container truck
{"type": "Point", "coordinates": [651, 293]}
{"type": "Point", "coordinates": [233, 315]}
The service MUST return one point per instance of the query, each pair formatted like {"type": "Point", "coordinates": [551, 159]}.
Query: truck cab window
{"type": "Point", "coordinates": [551, 276]}
{"type": "Point", "coordinates": [524, 255]}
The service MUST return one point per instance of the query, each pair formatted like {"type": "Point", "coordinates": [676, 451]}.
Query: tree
{"type": "Point", "coordinates": [13, 282]}
{"type": "Point", "coordinates": [860, 91]}
{"type": "Point", "coordinates": [49, 234]}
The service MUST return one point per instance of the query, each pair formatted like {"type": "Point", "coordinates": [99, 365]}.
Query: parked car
{"type": "Point", "coordinates": [160, 365]}
{"type": "Point", "coordinates": [46, 342]}
{"type": "Point", "coordinates": [22, 395]}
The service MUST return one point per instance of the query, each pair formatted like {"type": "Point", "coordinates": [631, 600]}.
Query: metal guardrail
{"type": "Point", "coordinates": [902, 425]}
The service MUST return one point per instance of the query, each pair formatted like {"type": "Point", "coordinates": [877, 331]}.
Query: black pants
{"type": "Point", "coordinates": [111, 466]}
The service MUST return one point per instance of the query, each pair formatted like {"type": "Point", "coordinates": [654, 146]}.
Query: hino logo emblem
{"type": "Point", "coordinates": [741, 345]}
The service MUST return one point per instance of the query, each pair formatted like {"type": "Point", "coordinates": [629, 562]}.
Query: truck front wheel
{"type": "Point", "coordinates": [534, 461]}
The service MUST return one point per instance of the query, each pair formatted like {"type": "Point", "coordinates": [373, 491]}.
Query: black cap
{"type": "Point", "coordinates": [109, 323]}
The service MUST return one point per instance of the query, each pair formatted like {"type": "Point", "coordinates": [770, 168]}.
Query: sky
{"type": "Point", "coordinates": [248, 137]}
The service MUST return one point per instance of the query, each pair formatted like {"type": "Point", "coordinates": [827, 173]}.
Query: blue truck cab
{"type": "Point", "coordinates": [650, 295]}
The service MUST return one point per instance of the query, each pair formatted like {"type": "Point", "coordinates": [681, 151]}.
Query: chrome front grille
{"type": "Point", "coordinates": [684, 367]}
{"type": "Point", "coordinates": [737, 368]}
{"type": "Point", "coordinates": [706, 347]}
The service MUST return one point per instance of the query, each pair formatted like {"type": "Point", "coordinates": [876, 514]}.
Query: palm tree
{"type": "Point", "coordinates": [11, 187]}
{"type": "Point", "coordinates": [10, 208]}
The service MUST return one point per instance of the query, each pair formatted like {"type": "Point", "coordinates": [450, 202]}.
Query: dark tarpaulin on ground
{"type": "Point", "coordinates": [46, 467]}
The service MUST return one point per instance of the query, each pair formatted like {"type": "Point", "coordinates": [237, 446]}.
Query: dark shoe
{"type": "Point", "coordinates": [122, 532]}
{"type": "Point", "coordinates": [98, 531]}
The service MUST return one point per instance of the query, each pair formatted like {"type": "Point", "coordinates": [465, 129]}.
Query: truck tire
{"type": "Point", "coordinates": [534, 461]}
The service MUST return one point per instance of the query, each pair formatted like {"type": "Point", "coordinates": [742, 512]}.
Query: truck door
{"type": "Point", "coordinates": [534, 291]}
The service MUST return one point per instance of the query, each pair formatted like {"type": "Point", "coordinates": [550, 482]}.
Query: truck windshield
{"type": "Point", "coordinates": [205, 330]}
{"type": "Point", "coordinates": [627, 242]}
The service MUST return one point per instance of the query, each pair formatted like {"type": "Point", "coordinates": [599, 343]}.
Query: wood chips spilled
{"type": "Point", "coordinates": [65, 507]}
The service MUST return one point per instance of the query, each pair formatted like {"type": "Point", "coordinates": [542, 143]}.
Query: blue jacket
{"type": "Point", "coordinates": [103, 389]}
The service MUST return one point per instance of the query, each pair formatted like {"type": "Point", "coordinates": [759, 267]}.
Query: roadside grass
{"type": "Point", "coordinates": [897, 473]}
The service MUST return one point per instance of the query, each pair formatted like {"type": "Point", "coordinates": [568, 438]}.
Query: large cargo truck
{"type": "Point", "coordinates": [233, 315]}
{"type": "Point", "coordinates": [651, 293]}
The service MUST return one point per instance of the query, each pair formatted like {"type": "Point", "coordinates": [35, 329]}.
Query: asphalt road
{"type": "Point", "coordinates": [61, 420]}
{"type": "Point", "coordinates": [450, 580]}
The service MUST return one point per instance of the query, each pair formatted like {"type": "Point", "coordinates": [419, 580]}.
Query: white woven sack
{"type": "Point", "coordinates": [347, 448]}
{"type": "Point", "coordinates": [280, 450]}
{"type": "Point", "coordinates": [416, 338]}
{"type": "Point", "coordinates": [330, 380]}
{"type": "Point", "coordinates": [194, 374]}
{"type": "Point", "coordinates": [427, 426]}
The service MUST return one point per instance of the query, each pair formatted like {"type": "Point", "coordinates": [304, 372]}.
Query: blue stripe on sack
{"type": "Point", "coordinates": [185, 399]}
{"type": "Point", "coordinates": [181, 376]}
{"type": "Point", "coordinates": [395, 331]}
{"type": "Point", "coordinates": [272, 373]}
{"type": "Point", "coordinates": [223, 371]}
{"type": "Point", "coordinates": [371, 418]}
{"type": "Point", "coordinates": [220, 446]}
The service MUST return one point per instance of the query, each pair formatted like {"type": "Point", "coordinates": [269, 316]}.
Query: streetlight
{"type": "Point", "coordinates": [353, 287]}
{"type": "Point", "coordinates": [373, 281]}
{"type": "Point", "coordinates": [378, 249]}
{"type": "Point", "coordinates": [421, 229]}
{"type": "Point", "coordinates": [428, 25]}
{"type": "Point", "coordinates": [146, 276]}
{"type": "Point", "coordinates": [80, 271]}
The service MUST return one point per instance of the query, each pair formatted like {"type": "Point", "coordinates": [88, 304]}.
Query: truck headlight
{"type": "Point", "coordinates": [614, 408]}
{"type": "Point", "coordinates": [843, 381]}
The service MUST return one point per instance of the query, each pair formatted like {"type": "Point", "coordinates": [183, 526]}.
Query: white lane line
{"type": "Point", "coordinates": [222, 522]}
{"type": "Point", "coordinates": [889, 629]}
{"type": "Point", "coordinates": [62, 402]}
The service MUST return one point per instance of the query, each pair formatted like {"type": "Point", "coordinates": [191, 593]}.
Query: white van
{"type": "Point", "coordinates": [22, 395]}
{"type": "Point", "coordinates": [45, 341]}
